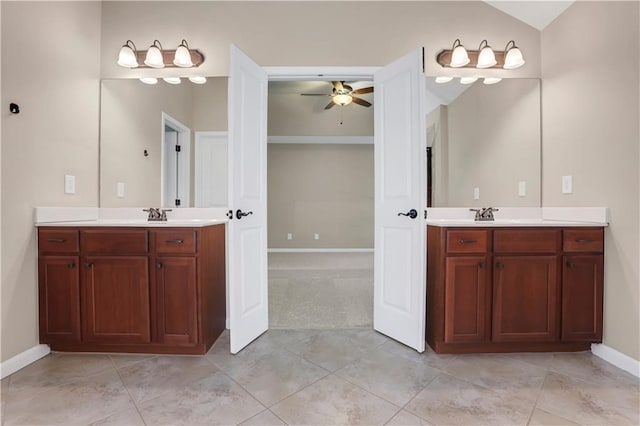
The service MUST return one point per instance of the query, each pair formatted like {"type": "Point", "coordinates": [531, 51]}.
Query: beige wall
{"type": "Point", "coordinates": [590, 131]}
{"type": "Point", "coordinates": [54, 75]}
{"type": "Point", "coordinates": [494, 143]}
{"type": "Point", "coordinates": [324, 189]}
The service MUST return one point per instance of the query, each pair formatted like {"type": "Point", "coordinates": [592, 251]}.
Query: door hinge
{"type": "Point", "coordinates": [177, 202]}
{"type": "Point", "coordinates": [178, 148]}
{"type": "Point", "coordinates": [425, 213]}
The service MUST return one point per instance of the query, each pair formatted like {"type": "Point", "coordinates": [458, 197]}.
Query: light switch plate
{"type": "Point", "coordinates": [316, 236]}
{"type": "Point", "coordinates": [289, 236]}
{"type": "Point", "coordinates": [476, 193]}
{"type": "Point", "coordinates": [69, 184]}
{"type": "Point", "coordinates": [567, 184]}
{"type": "Point", "coordinates": [120, 189]}
{"type": "Point", "coordinates": [522, 188]}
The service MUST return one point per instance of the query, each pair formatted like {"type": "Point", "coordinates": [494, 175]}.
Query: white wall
{"type": "Point", "coordinates": [51, 68]}
{"type": "Point", "coordinates": [591, 110]}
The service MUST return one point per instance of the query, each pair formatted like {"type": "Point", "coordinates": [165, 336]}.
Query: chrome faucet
{"type": "Point", "coordinates": [484, 214]}
{"type": "Point", "coordinates": [157, 214]}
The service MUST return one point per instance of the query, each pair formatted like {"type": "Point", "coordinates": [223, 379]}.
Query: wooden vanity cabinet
{"type": "Point", "coordinates": [154, 290]}
{"type": "Point", "coordinates": [514, 289]}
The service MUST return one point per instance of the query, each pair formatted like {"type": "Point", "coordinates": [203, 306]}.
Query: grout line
{"type": "Point", "coordinates": [535, 403]}
{"type": "Point", "coordinates": [135, 404]}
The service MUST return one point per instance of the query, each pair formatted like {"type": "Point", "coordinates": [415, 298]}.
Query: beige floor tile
{"type": "Point", "coordinates": [129, 417]}
{"type": "Point", "coordinates": [542, 418]}
{"type": "Point", "coordinates": [393, 378]}
{"type": "Point", "coordinates": [405, 418]}
{"type": "Point", "coordinates": [275, 376]}
{"type": "Point", "coordinates": [215, 399]}
{"type": "Point", "coordinates": [451, 401]}
{"type": "Point", "coordinates": [79, 402]}
{"type": "Point", "coordinates": [502, 374]}
{"type": "Point", "coordinates": [121, 360]}
{"type": "Point", "coordinates": [588, 367]}
{"type": "Point", "coordinates": [54, 370]}
{"type": "Point", "coordinates": [588, 403]}
{"type": "Point", "coordinates": [266, 418]}
{"type": "Point", "coordinates": [334, 401]}
{"type": "Point", "coordinates": [335, 349]}
{"type": "Point", "coordinates": [156, 376]}
{"type": "Point", "coordinates": [428, 357]}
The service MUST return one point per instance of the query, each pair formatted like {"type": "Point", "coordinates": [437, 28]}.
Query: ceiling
{"type": "Point", "coordinates": [537, 13]}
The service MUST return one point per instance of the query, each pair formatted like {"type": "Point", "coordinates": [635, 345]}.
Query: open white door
{"type": "Point", "coordinates": [247, 239]}
{"type": "Point", "coordinates": [400, 199]}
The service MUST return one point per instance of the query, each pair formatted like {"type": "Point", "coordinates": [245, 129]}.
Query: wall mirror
{"type": "Point", "coordinates": [485, 143]}
{"type": "Point", "coordinates": [163, 144]}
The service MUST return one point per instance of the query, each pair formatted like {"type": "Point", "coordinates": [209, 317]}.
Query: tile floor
{"type": "Point", "coordinates": [321, 377]}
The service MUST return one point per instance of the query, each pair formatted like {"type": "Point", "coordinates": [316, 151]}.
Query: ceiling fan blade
{"type": "Point", "coordinates": [315, 94]}
{"type": "Point", "coordinates": [362, 91]}
{"type": "Point", "coordinates": [329, 105]}
{"type": "Point", "coordinates": [347, 88]}
{"type": "Point", "coordinates": [361, 101]}
{"type": "Point", "coordinates": [338, 86]}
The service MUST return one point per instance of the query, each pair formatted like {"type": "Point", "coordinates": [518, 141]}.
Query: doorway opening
{"type": "Point", "coordinates": [176, 163]}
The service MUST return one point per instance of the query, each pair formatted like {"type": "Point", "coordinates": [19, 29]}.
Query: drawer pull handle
{"type": "Point", "coordinates": [56, 240]}
{"type": "Point", "coordinates": [584, 240]}
{"type": "Point", "coordinates": [467, 241]}
{"type": "Point", "coordinates": [71, 265]}
{"type": "Point", "coordinates": [174, 241]}
{"type": "Point", "coordinates": [570, 265]}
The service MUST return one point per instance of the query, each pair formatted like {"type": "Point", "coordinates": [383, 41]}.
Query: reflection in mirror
{"type": "Point", "coordinates": [485, 143]}
{"type": "Point", "coordinates": [140, 127]}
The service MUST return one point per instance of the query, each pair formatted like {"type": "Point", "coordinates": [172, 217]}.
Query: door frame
{"type": "Point", "coordinates": [184, 173]}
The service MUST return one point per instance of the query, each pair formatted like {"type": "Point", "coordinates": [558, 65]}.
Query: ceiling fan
{"type": "Point", "coordinates": [343, 94]}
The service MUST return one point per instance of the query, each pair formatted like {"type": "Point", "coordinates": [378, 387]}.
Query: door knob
{"type": "Point", "coordinates": [413, 213]}
{"type": "Point", "coordinates": [240, 214]}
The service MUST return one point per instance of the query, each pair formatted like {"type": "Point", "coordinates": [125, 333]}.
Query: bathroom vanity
{"type": "Point", "coordinates": [511, 287]}
{"type": "Point", "coordinates": [131, 287]}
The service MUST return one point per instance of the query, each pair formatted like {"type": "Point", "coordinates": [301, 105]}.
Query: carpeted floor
{"type": "Point", "coordinates": [320, 290]}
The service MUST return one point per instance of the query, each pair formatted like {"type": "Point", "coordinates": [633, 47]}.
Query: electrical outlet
{"type": "Point", "coordinates": [567, 184]}
{"type": "Point", "coordinates": [69, 184]}
{"type": "Point", "coordinates": [476, 193]}
{"type": "Point", "coordinates": [522, 188]}
{"type": "Point", "coordinates": [316, 236]}
{"type": "Point", "coordinates": [289, 236]}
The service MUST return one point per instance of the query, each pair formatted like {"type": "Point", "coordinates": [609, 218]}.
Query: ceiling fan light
{"type": "Point", "coordinates": [198, 79]}
{"type": "Point", "coordinates": [183, 56]}
{"type": "Point", "coordinates": [459, 55]}
{"type": "Point", "coordinates": [127, 57]}
{"type": "Point", "coordinates": [154, 57]}
{"type": "Point", "coordinates": [342, 99]}
{"type": "Point", "coordinates": [486, 57]}
{"type": "Point", "coordinates": [443, 79]}
{"type": "Point", "coordinates": [172, 80]}
{"type": "Point", "coordinates": [492, 80]}
{"type": "Point", "coordinates": [468, 80]}
{"type": "Point", "coordinates": [512, 57]}
{"type": "Point", "coordinates": [149, 80]}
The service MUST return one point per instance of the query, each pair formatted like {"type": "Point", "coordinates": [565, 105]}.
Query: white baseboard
{"type": "Point", "coordinates": [320, 250]}
{"type": "Point", "coordinates": [23, 359]}
{"type": "Point", "coordinates": [616, 358]}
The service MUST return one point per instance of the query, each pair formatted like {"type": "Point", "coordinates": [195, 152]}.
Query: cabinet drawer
{"type": "Point", "coordinates": [467, 241]}
{"type": "Point", "coordinates": [526, 240]}
{"type": "Point", "coordinates": [176, 241]}
{"type": "Point", "coordinates": [583, 240]}
{"type": "Point", "coordinates": [110, 241]}
{"type": "Point", "coordinates": [58, 240]}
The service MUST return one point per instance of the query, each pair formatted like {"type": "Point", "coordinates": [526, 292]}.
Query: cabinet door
{"type": "Point", "coordinates": [59, 298]}
{"type": "Point", "coordinates": [115, 299]}
{"type": "Point", "coordinates": [526, 298]}
{"type": "Point", "coordinates": [176, 301]}
{"type": "Point", "coordinates": [467, 300]}
{"type": "Point", "coordinates": [582, 288]}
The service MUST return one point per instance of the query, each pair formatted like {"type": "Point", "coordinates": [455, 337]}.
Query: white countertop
{"type": "Point", "coordinates": [498, 223]}
{"type": "Point", "coordinates": [178, 223]}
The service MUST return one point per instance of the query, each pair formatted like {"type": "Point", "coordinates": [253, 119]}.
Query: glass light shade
{"type": "Point", "coordinates": [468, 80]}
{"type": "Point", "coordinates": [154, 57]}
{"type": "Point", "coordinates": [486, 57]}
{"type": "Point", "coordinates": [198, 79]}
{"type": "Point", "coordinates": [127, 56]}
{"type": "Point", "coordinates": [513, 57]}
{"type": "Point", "coordinates": [183, 56]}
{"type": "Point", "coordinates": [172, 80]}
{"type": "Point", "coordinates": [342, 99]}
{"type": "Point", "coordinates": [492, 80]}
{"type": "Point", "coordinates": [149, 80]}
{"type": "Point", "coordinates": [459, 55]}
{"type": "Point", "coordinates": [443, 79]}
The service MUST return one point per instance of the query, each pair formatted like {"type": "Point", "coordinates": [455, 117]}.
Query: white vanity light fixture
{"type": "Point", "coordinates": [443, 79]}
{"type": "Point", "coordinates": [182, 56]}
{"type": "Point", "coordinates": [459, 55]}
{"type": "Point", "coordinates": [468, 80]}
{"type": "Point", "coordinates": [512, 56]}
{"type": "Point", "coordinates": [492, 80]}
{"type": "Point", "coordinates": [149, 80]}
{"type": "Point", "coordinates": [197, 79]}
{"type": "Point", "coordinates": [172, 80]}
{"type": "Point", "coordinates": [154, 58]}
{"type": "Point", "coordinates": [128, 56]}
{"type": "Point", "coordinates": [486, 57]}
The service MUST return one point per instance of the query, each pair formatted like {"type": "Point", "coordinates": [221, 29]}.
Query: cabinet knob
{"type": "Point", "coordinates": [499, 265]}
{"type": "Point", "coordinates": [159, 265]}
{"type": "Point", "coordinates": [570, 264]}
{"type": "Point", "coordinates": [71, 265]}
{"type": "Point", "coordinates": [88, 265]}
{"type": "Point", "coordinates": [482, 265]}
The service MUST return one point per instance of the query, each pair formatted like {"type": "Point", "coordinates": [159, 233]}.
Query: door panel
{"type": "Point", "coordinates": [400, 186]}
{"type": "Point", "coordinates": [248, 304]}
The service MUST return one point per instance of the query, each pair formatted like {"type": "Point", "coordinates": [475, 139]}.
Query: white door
{"type": "Point", "coordinates": [211, 169]}
{"type": "Point", "coordinates": [247, 240]}
{"type": "Point", "coordinates": [400, 199]}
